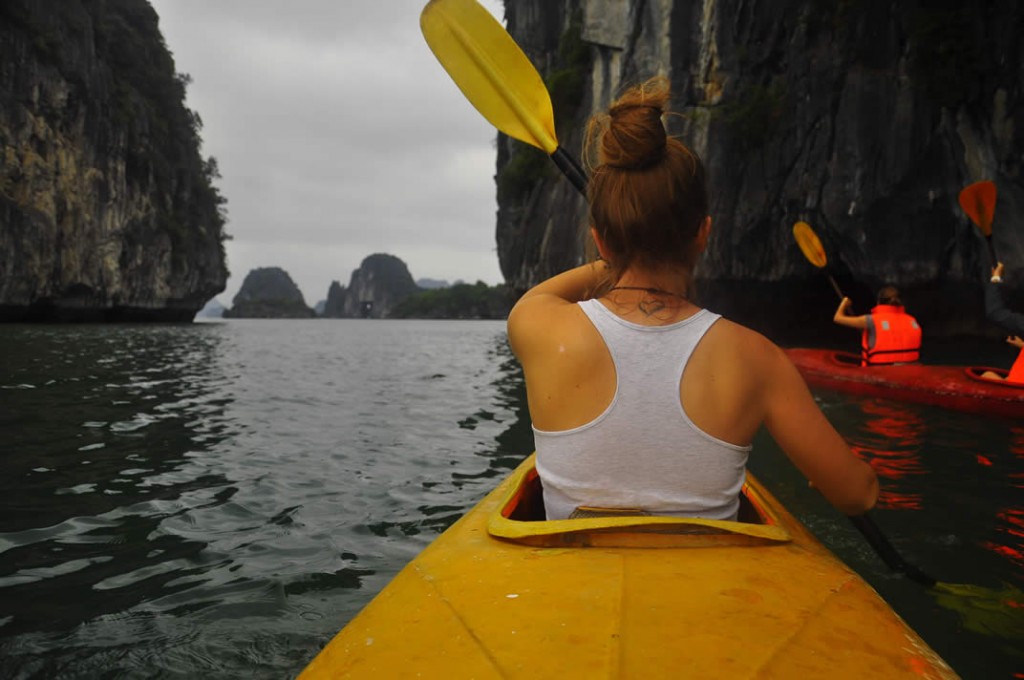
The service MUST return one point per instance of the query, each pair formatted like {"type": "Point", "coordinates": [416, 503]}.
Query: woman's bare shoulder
{"type": "Point", "coordinates": [745, 349]}
{"type": "Point", "coordinates": [737, 337]}
{"type": "Point", "coordinates": [540, 324]}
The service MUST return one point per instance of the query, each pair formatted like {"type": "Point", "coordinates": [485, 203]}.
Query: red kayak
{"type": "Point", "coordinates": [961, 388]}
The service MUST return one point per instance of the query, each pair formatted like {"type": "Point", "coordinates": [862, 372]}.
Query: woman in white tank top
{"type": "Point", "coordinates": [640, 400]}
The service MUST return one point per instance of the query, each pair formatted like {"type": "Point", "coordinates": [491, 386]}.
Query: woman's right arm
{"type": "Point", "coordinates": [811, 443]}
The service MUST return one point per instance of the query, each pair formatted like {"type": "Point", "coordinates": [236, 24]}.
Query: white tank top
{"type": "Point", "coordinates": [643, 452]}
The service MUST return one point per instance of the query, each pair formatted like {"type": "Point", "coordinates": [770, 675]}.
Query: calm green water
{"type": "Point", "coordinates": [218, 499]}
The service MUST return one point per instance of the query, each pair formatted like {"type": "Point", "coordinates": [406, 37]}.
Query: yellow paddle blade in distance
{"type": "Point", "coordinates": [809, 244]}
{"type": "Point", "coordinates": [491, 70]}
{"type": "Point", "coordinates": [979, 202]}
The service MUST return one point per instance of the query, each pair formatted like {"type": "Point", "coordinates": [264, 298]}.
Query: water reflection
{"type": "Point", "coordinates": [1017, 450]}
{"type": "Point", "coordinates": [219, 499]}
{"type": "Point", "coordinates": [416, 445]}
{"type": "Point", "coordinates": [891, 441]}
{"type": "Point", "coordinates": [98, 420]}
{"type": "Point", "coordinates": [1009, 529]}
{"type": "Point", "coordinates": [499, 424]}
{"type": "Point", "coordinates": [920, 453]}
{"type": "Point", "coordinates": [102, 425]}
{"type": "Point", "coordinates": [514, 440]}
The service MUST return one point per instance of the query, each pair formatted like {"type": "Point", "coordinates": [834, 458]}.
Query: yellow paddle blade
{"type": "Point", "coordinates": [491, 70]}
{"type": "Point", "coordinates": [985, 610]}
{"type": "Point", "coordinates": [979, 202]}
{"type": "Point", "coordinates": [809, 244]}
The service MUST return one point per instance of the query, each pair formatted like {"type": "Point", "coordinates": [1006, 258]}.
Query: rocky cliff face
{"type": "Point", "coordinates": [107, 211]}
{"type": "Point", "coordinates": [381, 282]}
{"type": "Point", "coordinates": [864, 119]}
{"type": "Point", "coordinates": [334, 305]}
{"type": "Point", "coordinates": [269, 293]}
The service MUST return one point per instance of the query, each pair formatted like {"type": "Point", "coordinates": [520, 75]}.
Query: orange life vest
{"type": "Point", "coordinates": [1017, 370]}
{"type": "Point", "coordinates": [897, 337]}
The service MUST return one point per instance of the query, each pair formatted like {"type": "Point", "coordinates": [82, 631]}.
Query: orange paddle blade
{"type": "Point", "coordinates": [809, 244]}
{"type": "Point", "coordinates": [979, 202]}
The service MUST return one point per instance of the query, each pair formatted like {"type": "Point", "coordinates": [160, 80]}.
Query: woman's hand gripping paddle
{"type": "Point", "coordinates": [979, 202]}
{"type": "Point", "coordinates": [810, 246]}
{"type": "Point", "coordinates": [496, 77]}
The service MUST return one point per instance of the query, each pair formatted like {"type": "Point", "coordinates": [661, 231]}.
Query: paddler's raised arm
{"type": "Point", "coordinates": [571, 286]}
{"type": "Point", "coordinates": [844, 318]}
{"type": "Point", "coordinates": [995, 307]}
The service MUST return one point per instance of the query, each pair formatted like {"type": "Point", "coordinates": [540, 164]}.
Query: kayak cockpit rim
{"type": "Point", "coordinates": [519, 518]}
{"type": "Point", "coordinates": [847, 359]}
{"type": "Point", "coordinates": [851, 360]}
{"type": "Point", "coordinates": [975, 373]}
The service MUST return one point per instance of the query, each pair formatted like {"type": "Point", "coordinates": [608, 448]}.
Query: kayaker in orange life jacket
{"type": "Point", "coordinates": [996, 311]}
{"type": "Point", "coordinates": [889, 335]}
{"type": "Point", "coordinates": [640, 400]}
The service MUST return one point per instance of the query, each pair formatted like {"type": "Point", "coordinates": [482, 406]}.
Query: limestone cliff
{"type": "Point", "coordinates": [381, 282]}
{"type": "Point", "coordinates": [863, 118]}
{"type": "Point", "coordinates": [334, 306]}
{"type": "Point", "coordinates": [107, 210]}
{"type": "Point", "coordinates": [269, 293]}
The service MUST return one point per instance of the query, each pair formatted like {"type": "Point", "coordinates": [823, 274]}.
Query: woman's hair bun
{"type": "Point", "coordinates": [634, 136]}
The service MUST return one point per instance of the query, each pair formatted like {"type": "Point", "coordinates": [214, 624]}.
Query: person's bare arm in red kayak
{"type": "Point", "coordinates": [844, 318]}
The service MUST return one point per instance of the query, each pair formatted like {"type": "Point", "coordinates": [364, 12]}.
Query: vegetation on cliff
{"type": "Point", "coordinates": [381, 282]}
{"type": "Point", "coordinates": [460, 301]}
{"type": "Point", "coordinates": [566, 83]}
{"type": "Point", "coordinates": [269, 293]}
{"type": "Point", "coordinates": [863, 119]}
{"type": "Point", "coordinates": [102, 187]}
{"type": "Point", "coordinates": [383, 288]}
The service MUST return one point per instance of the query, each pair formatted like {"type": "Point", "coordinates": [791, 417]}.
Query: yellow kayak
{"type": "Point", "coordinates": [501, 594]}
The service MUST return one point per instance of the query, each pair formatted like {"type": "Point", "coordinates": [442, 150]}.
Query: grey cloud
{"type": "Point", "coordinates": [336, 132]}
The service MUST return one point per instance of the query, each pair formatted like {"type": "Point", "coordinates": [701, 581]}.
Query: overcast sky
{"type": "Point", "coordinates": [338, 135]}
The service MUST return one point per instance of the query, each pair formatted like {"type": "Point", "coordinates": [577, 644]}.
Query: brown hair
{"type": "Point", "coordinates": [889, 295]}
{"type": "Point", "coordinates": [648, 194]}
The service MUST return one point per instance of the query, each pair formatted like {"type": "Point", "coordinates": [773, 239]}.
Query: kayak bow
{"type": "Point", "coordinates": [502, 594]}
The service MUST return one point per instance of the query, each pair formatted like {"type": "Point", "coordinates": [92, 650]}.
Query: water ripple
{"type": "Point", "coordinates": [219, 498]}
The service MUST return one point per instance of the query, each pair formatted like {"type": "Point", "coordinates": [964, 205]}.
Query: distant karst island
{"type": "Point", "coordinates": [381, 288]}
{"type": "Point", "coordinates": [269, 293]}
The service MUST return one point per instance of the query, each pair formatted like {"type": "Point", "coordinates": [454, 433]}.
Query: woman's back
{"type": "Point", "coordinates": [574, 380]}
{"type": "Point", "coordinates": [650, 223]}
{"type": "Point", "coordinates": [642, 438]}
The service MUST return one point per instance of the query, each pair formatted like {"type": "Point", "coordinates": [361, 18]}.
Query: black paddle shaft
{"type": "Point", "coordinates": [867, 527]}
{"type": "Point", "coordinates": [835, 286]}
{"type": "Point", "coordinates": [991, 249]}
{"type": "Point", "coordinates": [571, 169]}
